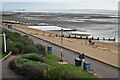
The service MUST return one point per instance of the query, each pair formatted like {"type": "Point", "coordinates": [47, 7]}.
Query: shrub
{"type": "Point", "coordinates": [56, 72]}
{"type": "Point", "coordinates": [10, 45]}
{"type": "Point", "coordinates": [15, 50]}
{"type": "Point", "coordinates": [26, 36]}
{"type": "Point", "coordinates": [32, 71]}
{"type": "Point", "coordinates": [61, 60]}
{"type": "Point", "coordinates": [21, 61]}
{"type": "Point", "coordinates": [12, 64]}
{"type": "Point", "coordinates": [24, 40]}
{"type": "Point", "coordinates": [40, 47]}
{"type": "Point", "coordinates": [19, 45]}
{"type": "Point", "coordinates": [30, 49]}
{"type": "Point", "coordinates": [34, 57]}
{"type": "Point", "coordinates": [42, 50]}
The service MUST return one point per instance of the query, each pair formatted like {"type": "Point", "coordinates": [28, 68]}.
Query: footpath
{"type": "Point", "coordinates": [6, 72]}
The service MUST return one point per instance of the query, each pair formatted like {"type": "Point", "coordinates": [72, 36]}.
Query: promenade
{"type": "Point", "coordinates": [99, 52]}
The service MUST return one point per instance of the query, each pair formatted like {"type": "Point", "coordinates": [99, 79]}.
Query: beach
{"type": "Point", "coordinates": [101, 51]}
{"type": "Point", "coordinates": [97, 25]}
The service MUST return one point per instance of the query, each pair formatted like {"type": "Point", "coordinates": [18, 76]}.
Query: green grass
{"type": "Point", "coordinates": [69, 68]}
{"type": "Point", "coordinates": [2, 55]}
{"type": "Point", "coordinates": [81, 34]}
{"type": "Point", "coordinates": [1, 43]}
{"type": "Point", "coordinates": [0, 40]}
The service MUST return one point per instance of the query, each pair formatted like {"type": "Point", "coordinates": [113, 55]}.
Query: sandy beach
{"type": "Point", "coordinates": [102, 51]}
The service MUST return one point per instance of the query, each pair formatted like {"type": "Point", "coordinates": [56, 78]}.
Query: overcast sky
{"type": "Point", "coordinates": [61, 4]}
{"type": "Point", "coordinates": [60, 0]}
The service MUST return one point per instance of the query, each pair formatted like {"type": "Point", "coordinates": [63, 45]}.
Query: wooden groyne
{"type": "Point", "coordinates": [92, 38]}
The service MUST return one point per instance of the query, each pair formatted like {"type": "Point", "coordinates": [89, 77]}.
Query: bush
{"type": "Point", "coordinates": [22, 44]}
{"type": "Point", "coordinates": [19, 45]}
{"type": "Point", "coordinates": [34, 57]}
{"type": "Point", "coordinates": [40, 47]}
{"type": "Point", "coordinates": [56, 72]}
{"type": "Point", "coordinates": [15, 50]}
{"type": "Point", "coordinates": [30, 49]}
{"type": "Point", "coordinates": [21, 60]}
{"type": "Point", "coordinates": [10, 45]}
{"type": "Point", "coordinates": [42, 50]}
{"type": "Point", "coordinates": [61, 60]}
{"type": "Point", "coordinates": [26, 36]}
{"type": "Point", "coordinates": [32, 71]}
{"type": "Point", "coordinates": [12, 64]}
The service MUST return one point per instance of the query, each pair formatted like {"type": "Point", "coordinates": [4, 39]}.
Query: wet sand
{"type": "Point", "coordinates": [97, 25]}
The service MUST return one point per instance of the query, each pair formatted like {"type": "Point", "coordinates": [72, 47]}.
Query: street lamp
{"type": "Point", "coordinates": [61, 43]}
{"type": "Point", "coordinates": [4, 42]}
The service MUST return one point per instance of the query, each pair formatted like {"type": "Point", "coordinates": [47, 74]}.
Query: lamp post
{"type": "Point", "coordinates": [4, 42]}
{"type": "Point", "coordinates": [61, 43]}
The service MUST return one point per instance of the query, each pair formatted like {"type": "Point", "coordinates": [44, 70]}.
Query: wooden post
{"type": "Point", "coordinates": [56, 35]}
{"type": "Point", "coordinates": [80, 37]}
{"type": "Point", "coordinates": [92, 38]}
{"type": "Point", "coordinates": [69, 36]}
{"type": "Point", "coordinates": [103, 38]}
{"type": "Point", "coordinates": [97, 38]}
{"type": "Point", "coordinates": [75, 36]}
{"type": "Point", "coordinates": [86, 37]}
{"type": "Point", "coordinates": [114, 39]}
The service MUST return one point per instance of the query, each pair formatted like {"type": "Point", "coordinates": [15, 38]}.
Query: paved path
{"type": "Point", "coordinates": [102, 70]}
{"type": "Point", "coordinates": [6, 72]}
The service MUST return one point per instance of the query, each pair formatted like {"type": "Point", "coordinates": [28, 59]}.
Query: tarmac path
{"type": "Point", "coordinates": [6, 72]}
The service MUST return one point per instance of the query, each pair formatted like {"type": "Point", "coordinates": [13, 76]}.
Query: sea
{"type": "Point", "coordinates": [95, 30]}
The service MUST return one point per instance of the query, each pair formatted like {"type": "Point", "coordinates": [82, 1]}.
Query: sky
{"type": "Point", "coordinates": [60, 4]}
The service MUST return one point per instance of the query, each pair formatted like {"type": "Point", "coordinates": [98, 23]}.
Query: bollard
{"type": "Point", "coordinates": [109, 39]}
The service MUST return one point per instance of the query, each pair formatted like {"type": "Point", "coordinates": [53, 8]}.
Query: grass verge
{"type": "Point", "coordinates": [69, 68]}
